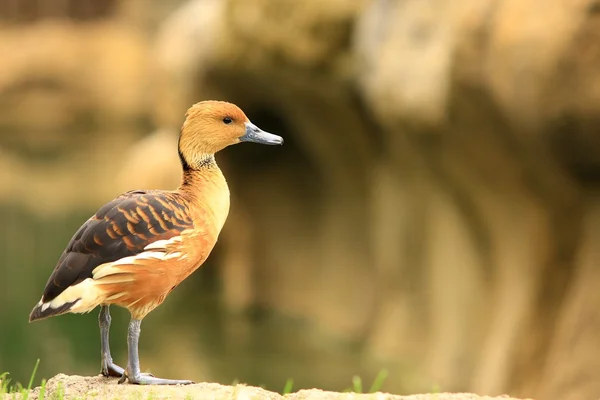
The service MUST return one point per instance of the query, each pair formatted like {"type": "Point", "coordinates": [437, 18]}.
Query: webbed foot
{"type": "Point", "coordinates": [149, 379]}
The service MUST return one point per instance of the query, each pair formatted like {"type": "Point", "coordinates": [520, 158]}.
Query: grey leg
{"type": "Point", "coordinates": [132, 373]}
{"type": "Point", "coordinates": [108, 367]}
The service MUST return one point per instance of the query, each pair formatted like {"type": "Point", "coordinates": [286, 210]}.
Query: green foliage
{"type": "Point", "coordinates": [60, 393]}
{"type": "Point", "coordinates": [288, 386]}
{"type": "Point", "coordinates": [4, 382]}
{"type": "Point", "coordinates": [7, 388]}
{"type": "Point", "coordinates": [378, 382]}
{"type": "Point", "coordinates": [42, 390]}
{"type": "Point", "coordinates": [37, 363]}
{"type": "Point", "coordinates": [357, 384]}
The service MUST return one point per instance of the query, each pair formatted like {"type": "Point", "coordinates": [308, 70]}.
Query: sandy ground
{"type": "Point", "coordinates": [98, 387]}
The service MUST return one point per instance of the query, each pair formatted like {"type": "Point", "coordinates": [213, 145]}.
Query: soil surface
{"type": "Point", "coordinates": [98, 387]}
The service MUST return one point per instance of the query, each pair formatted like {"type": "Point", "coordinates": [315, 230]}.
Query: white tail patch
{"type": "Point", "coordinates": [85, 296]}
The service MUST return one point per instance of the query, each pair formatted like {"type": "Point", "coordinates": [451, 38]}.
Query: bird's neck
{"type": "Point", "coordinates": [205, 186]}
{"type": "Point", "coordinates": [204, 179]}
{"type": "Point", "coordinates": [204, 168]}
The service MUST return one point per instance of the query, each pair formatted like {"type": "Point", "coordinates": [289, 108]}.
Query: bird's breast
{"type": "Point", "coordinates": [209, 213]}
{"type": "Point", "coordinates": [210, 202]}
{"type": "Point", "coordinates": [216, 201]}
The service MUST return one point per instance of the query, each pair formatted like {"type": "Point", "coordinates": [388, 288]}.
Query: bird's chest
{"type": "Point", "coordinates": [213, 208]}
{"type": "Point", "coordinates": [210, 208]}
{"type": "Point", "coordinates": [220, 207]}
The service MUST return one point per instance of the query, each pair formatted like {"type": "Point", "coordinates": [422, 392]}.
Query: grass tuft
{"type": "Point", "coordinates": [379, 379]}
{"type": "Point", "coordinates": [42, 390]}
{"type": "Point", "coordinates": [7, 388]}
{"type": "Point", "coordinates": [60, 392]}
{"type": "Point", "coordinates": [4, 382]}
{"type": "Point", "coordinates": [289, 384]}
{"type": "Point", "coordinates": [26, 392]}
{"type": "Point", "coordinates": [357, 384]}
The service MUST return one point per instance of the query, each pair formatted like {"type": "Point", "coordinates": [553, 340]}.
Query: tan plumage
{"type": "Point", "coordinates": [138, 247]}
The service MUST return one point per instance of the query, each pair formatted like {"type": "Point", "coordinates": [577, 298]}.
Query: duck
{"type": "Point", "coordinates": [141, 245]}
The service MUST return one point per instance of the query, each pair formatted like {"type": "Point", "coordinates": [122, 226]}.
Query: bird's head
{"type": "Point", "coordinates": [210, 126]}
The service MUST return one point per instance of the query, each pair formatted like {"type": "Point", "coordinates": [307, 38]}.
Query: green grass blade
{"type": "Point", "coordinates": [60, 391]}
{"type": "Point", "coordinates": [4, 382]}
{"type": "Point", "coordinates": [289, 384]}
{"type": "Point", "coordinates": [42, 390]}
{"type": "Point", "coordinates": [357, 384]}
{"type": "Point", "coordinates": [378, 382]}
{"type": "Point", "coordinates": [37, 363]}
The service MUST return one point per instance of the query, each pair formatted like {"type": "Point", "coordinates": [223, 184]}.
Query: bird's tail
{"type": "Point", "coordinates": [44, 310]}
{"type": "Point", "coordinates": [80, 298]}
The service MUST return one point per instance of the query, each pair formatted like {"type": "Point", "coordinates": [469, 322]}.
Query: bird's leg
{"type": "Point", "coordinates": [132, 372]}
{"type": "Point", "coordinates": [108, 368]}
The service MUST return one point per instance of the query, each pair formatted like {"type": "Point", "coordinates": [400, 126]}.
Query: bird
{"type": "Point", "coordinates": [141, 245]}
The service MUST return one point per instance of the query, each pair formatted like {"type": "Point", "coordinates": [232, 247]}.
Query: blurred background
{"type": "Point", "coordinates": [434, 211]}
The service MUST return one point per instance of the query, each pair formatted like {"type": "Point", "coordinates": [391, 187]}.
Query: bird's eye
{"type": "Point", "coordinates": [227, 120]}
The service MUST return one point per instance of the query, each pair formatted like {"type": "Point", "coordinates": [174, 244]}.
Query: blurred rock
{"type": "Point", "coordinates": [71, 94]}
{"type": "Point", "coordinates": [151, 163]}
{"type": "Point", "coordinates": [59, 70]}
{"type": "Point", "coordinates": [452, 147]}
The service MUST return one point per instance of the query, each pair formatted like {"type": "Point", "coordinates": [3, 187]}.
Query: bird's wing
{"type": "Point", "coordinates": [121, 228]}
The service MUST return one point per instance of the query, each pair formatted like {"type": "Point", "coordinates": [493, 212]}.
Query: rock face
{"type": "Point", "coordinates": [437, 180]}
{"type": "Point", "coordinates": [77, 387]}
{"type": "Point", "coordinates": [436, 198]}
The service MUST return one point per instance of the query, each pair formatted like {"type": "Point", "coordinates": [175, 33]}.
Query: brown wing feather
{"type": "Point", "coordinates": [121, 228]}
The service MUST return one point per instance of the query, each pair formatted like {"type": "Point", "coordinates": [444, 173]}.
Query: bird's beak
{"type": "Point", "coordinates": [257, 135]}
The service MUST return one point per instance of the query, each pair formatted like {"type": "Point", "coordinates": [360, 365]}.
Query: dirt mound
{"type": "Point", "coordinates": [97, 387]}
